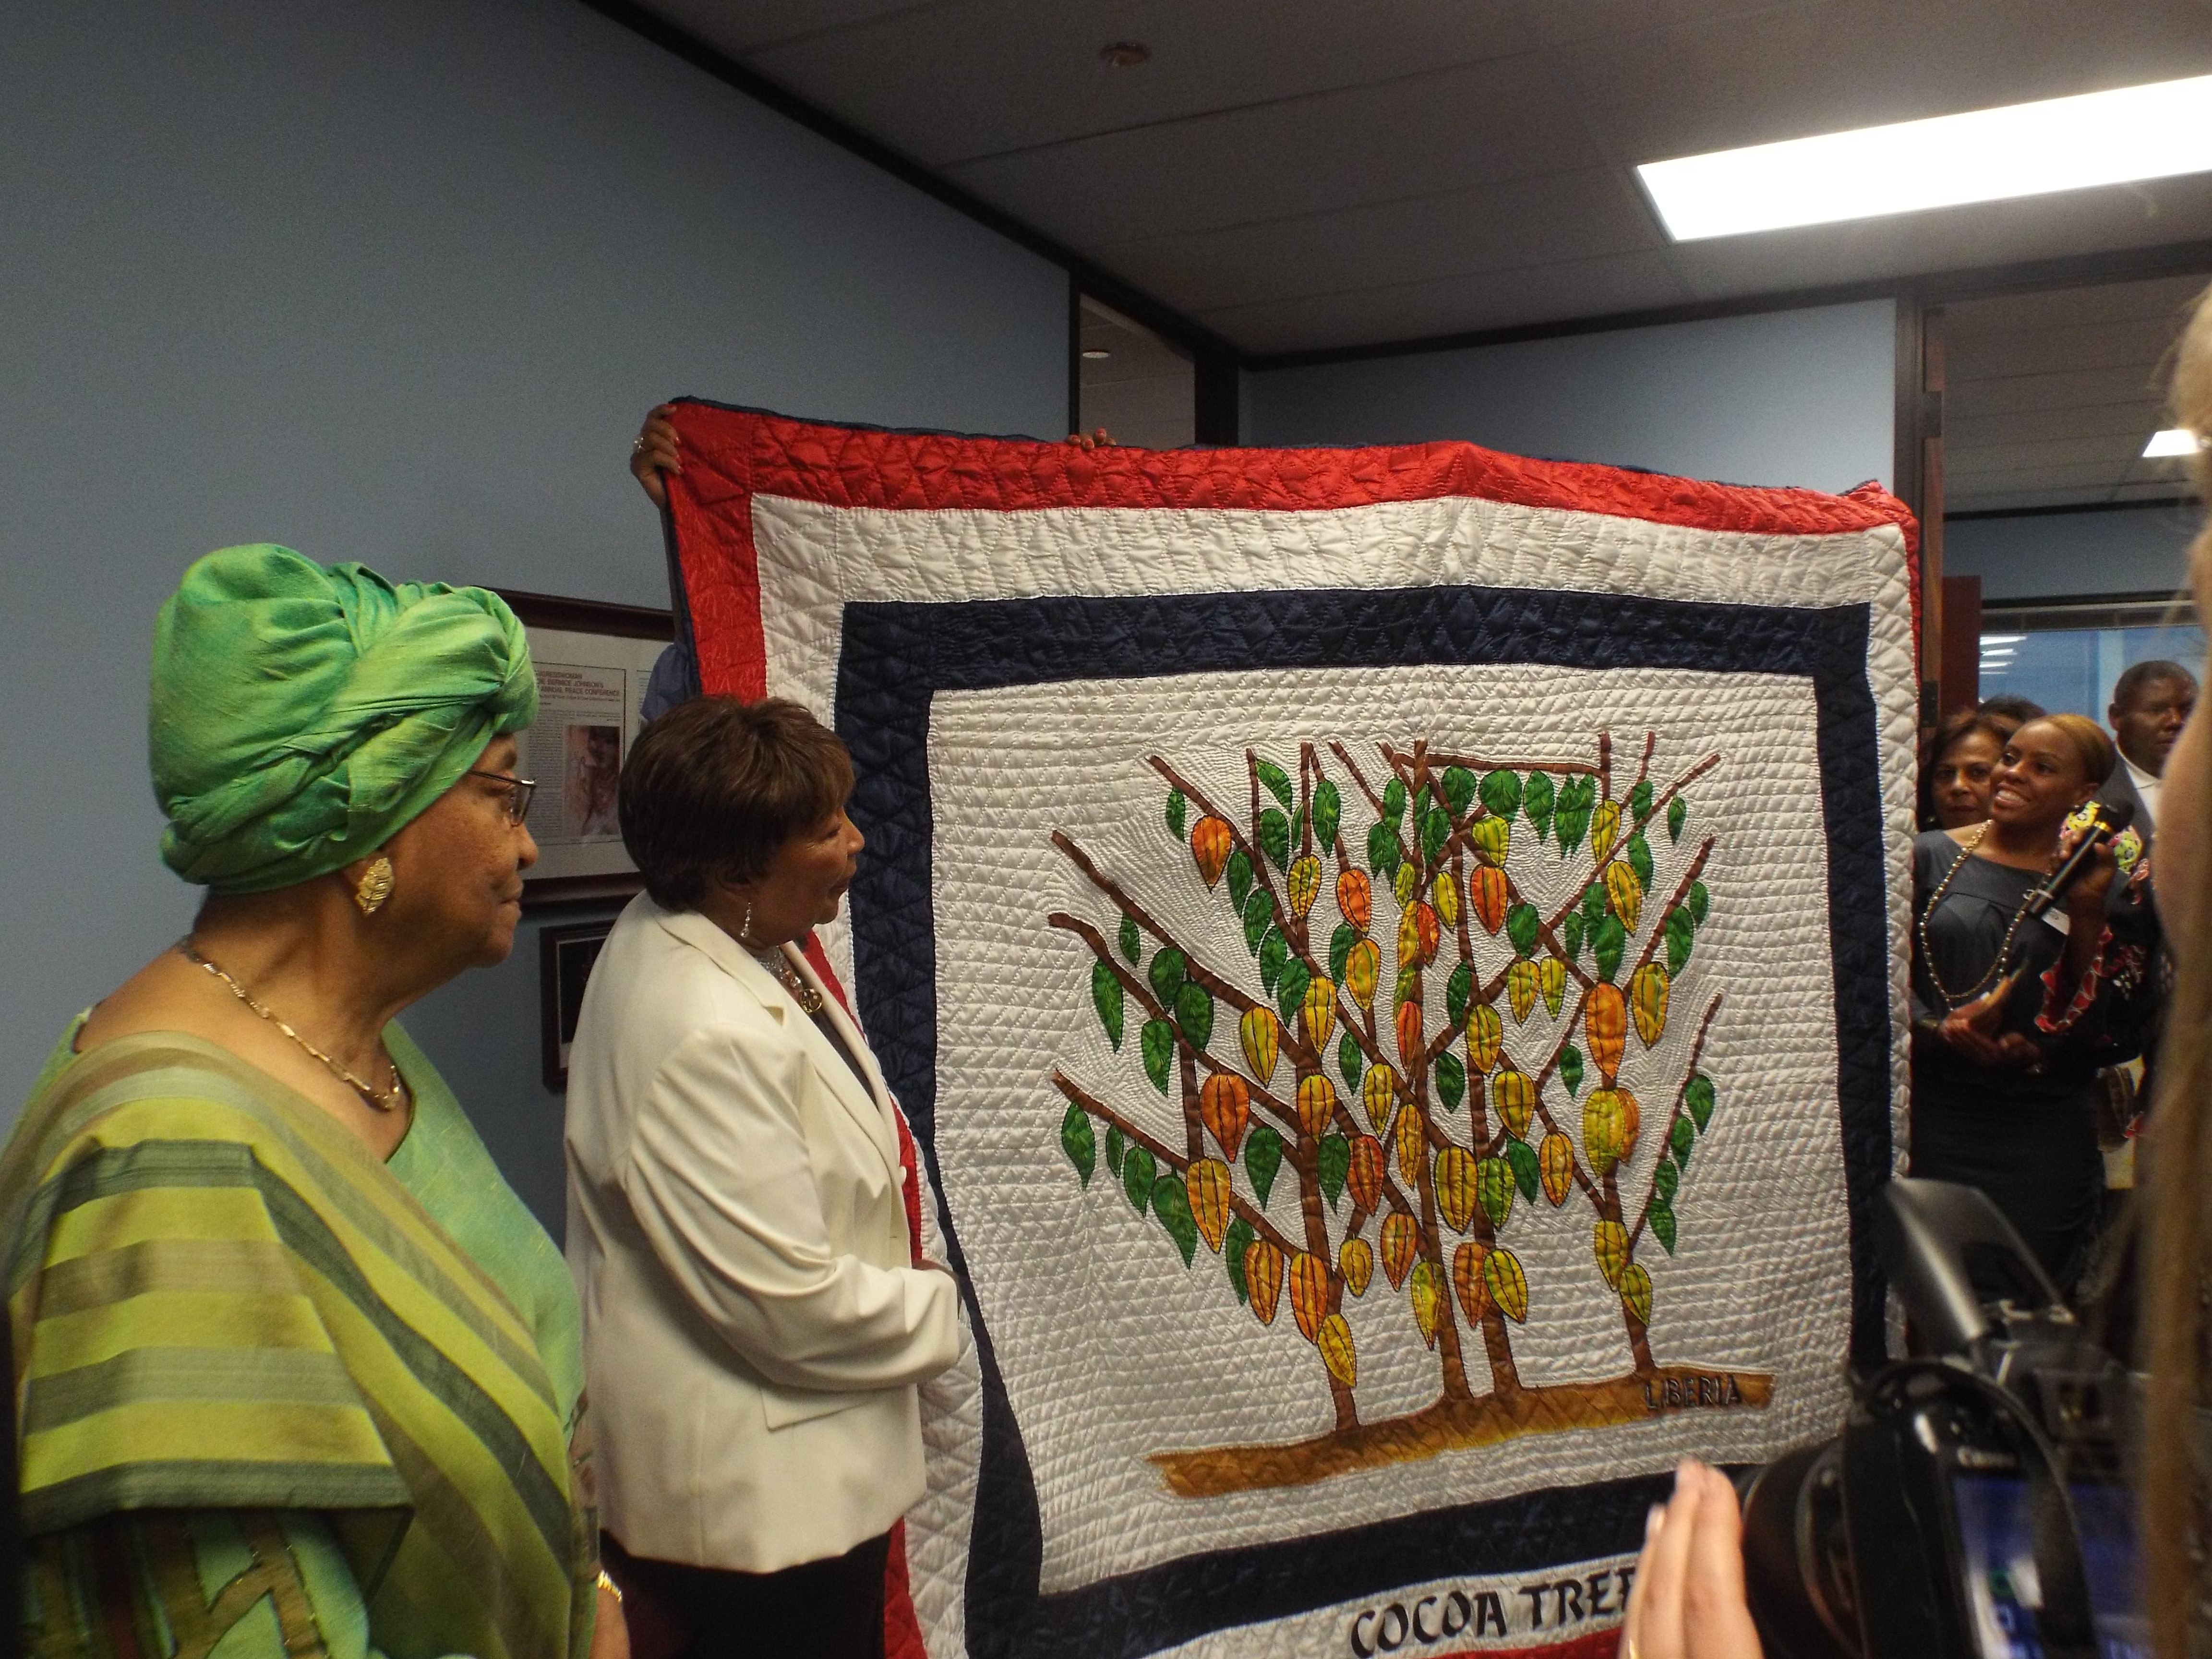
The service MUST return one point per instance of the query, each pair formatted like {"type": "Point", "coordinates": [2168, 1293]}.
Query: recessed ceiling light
{"type": "Point", "coordinates": [2175, 440]}
{"type": "Point", "coordinates": [2156, 131]}
{"type": "Point", "coordinates": [1124, 54]}
{"type": "Point", "coordinates": [1096, 353]}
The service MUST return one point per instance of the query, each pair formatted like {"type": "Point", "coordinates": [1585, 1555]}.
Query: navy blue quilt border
{"type": "Point", "coordinates": [896, 657]}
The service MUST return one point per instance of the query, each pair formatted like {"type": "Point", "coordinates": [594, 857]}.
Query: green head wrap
{"type": "Point", "coordinates": [302, 713]}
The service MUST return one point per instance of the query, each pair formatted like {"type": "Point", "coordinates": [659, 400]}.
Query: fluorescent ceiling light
{"type": "Point", "coordinates": [1989, 639]}
{"type": "Point", "coordinates": [2175, 440]}
{"type": "Point", "coordinates": [1985, 155]}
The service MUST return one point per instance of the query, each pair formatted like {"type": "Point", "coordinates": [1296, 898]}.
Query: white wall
{"type": "Point", "coordinates": [1779, 398]}
{"type": "Point", "coordinates": [2043, 556]}
{"type": "Point", "coordinates": [395, 281]}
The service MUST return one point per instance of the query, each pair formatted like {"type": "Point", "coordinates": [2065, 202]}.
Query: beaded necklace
{"type": "Point", "coordinates": [1951, 999]}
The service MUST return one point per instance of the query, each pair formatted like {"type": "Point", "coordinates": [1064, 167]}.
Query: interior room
{"type": "Point", "coordinates": [400, 283]}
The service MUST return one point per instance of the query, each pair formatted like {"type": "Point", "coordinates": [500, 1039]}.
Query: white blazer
{"type": "Point", "coordinates": [754, 1329]}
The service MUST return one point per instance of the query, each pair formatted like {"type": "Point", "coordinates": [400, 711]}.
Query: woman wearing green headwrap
{"type": "Point", "coordinates": [297, 1372]}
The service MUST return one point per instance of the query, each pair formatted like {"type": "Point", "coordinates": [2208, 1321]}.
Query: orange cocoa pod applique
{"type": "Point", "coordinates": [1555, 1164]}
{"type": "Point", "coordinates": [1409, 1033]}
{"type": "Point", "coordinates": [1605, 1022]}
{"type": "Point", "coordinates": [1413, 1146]}
{"type": "Point", "coordinates": [1206, 1182]}
{"type": "Point", "coordinates": [1363, 1173]}
{"type": "Point", "coordinates": [1263, 1279]}
{"type": "Point", "coordinates": [1261, 1034]}
{"type": "Point", "coordinates": [1467, 1280]}
{"type": "Point", "coordinates": [1402, 1236]}
{"type": "Point", "coordinates": [1486, 1035]}
{"type": "Point", "coordinates": [1210, 846]}
{"type": "Point", "coordinates": [1646, 1001]}
{"type": "Point", "coordinates": [1316, 1103]}
{"type": "Point", "coordinates": [1361, 965]}
{"type": "Point", "coordinates": [1611, 1122]}
{"type": "Point", "coordinates": [1303, 883]}
{"type": "Point", "coordinates": [1334, 1342]}
{"type": "Point", "coordinates": [1487, 890]}
{"type": "Point", "coordinates": [1309, 1292]}
{"type": "Point", "coordinates": [1355, 899]}
{"type": "Point", "coordinates": [1225, 1106]}
{"type": "Point", "coordinates": [1356, 1261]}
{"type": "Point", "coordinates": [1455, 1179]}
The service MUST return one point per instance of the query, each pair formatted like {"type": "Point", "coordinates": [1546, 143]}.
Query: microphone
{"type": "Point", "coordinates": [2109, 818]}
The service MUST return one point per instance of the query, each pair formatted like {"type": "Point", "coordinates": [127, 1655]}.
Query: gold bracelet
{"type": "Point", "coordinates": [610, 1586]}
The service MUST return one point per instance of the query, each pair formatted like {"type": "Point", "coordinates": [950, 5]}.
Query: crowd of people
{"type": "Point", "coordinates": [297, 1373]}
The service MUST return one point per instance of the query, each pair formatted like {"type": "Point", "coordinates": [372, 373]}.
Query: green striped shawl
{"type": "Point", "coordinates": [220, 1298]}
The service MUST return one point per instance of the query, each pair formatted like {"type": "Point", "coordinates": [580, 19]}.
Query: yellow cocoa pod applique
{"type": "Point", "coordinates": [1486, 886]}
{"type": "Point", "coordinates": [1409, 1033]}
{"type": "Point", "coordinates": [1492, 837]}
{"type": "Point", "coordinates": [1335, 1345]}
{"type": "Point", "coordinates": [1443, 892]}
{"type": "Point", "coordinates": [1611, 1123]}
{"type": "Point", "coordinates": [1609, 1240]}
{"type": "Point", "coordinates": [1486, 1035]}
{"type": "Point", "coordinates": [1467, 1279]}
{"type": "Point", "coordinates": [1207, 1181]}
{"type": "Point", "coordinates": [1455, 1187]}
{"type": "Point", "coordinates": [1514, 1096]}
{"type": "Point", "coordinates": [1355, 899]}
{"type": "Point", "coordinates": [1605, 829]}
{"type": "Point", "coordinates": [1402, 1236]}
{"type": "Point", "coordinates": [1605, 1023]}
{"type": "Point", "coordinates": [1413, 1146]}
{"type": "Point", "coordinates": [1378, 1092]}
{"type": "Point", "coordinates": [1361, 965]}
{"type": "Point", "coordinates": [1636, 1292]}
{"type": "Point", "coordinates": [1624, 893]}
{"type": "Point", "coordinates": [1555, 1165]}
{"type": "Point", "coordinates": [1508, 1285]}
{"type": "Point", "coordinates": [1403, 883]}
{"type": "Point", "coordinates": [1493, 1186]}
{"type": "Point", "coordinates": [1363, 1172]}
{"type": "Point", "coordinates": [1520, 989]}
{"type": "Point", "coordinates": [1316, 1103]}
{"type": "Point", "coordinates": [1551, 980]}
{"type": "Point", "coordinates": [1427, 1299]}
{"type": "Point", "coordinates": [1210, 845]}
{"type": "Point", "coordinates": [1303, 883]}
{"type": "Point", "coordinates": [1319, 1010]}
{"type": "Point", "coordinates": [1356, 1261]}
{"type": "Point", "coordinates": [1308, 1293]}
{"type": "Point", "coordinates": [1263, 1279]}
{"type": "Point", "coordinates": [1225, 1106]}
{"type": "Point", "coordinates": [1646, 1001]}
{"type": "Point", "coordinates": [1261, 1034]}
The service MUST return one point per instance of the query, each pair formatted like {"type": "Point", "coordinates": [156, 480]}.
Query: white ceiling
{"type": "Point", "coordinates": [1302, 175]}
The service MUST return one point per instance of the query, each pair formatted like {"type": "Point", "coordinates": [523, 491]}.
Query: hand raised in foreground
{"type": "Point", "coordinates": [1098, 440]}
{"type": "Point", "coordinates": [654, 453]}
{"type": "Point", "coordinates": [1688, 1600]}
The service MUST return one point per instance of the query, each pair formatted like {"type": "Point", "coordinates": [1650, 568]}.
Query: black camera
{"type": "Point", "coordinates": [1975, 1505]}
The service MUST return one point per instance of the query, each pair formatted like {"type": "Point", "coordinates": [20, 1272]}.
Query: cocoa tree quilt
{"type": "Point", "coordinates": [1393, 959]}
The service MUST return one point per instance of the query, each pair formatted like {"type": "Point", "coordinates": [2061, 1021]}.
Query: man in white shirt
{"type": "Point", "coordinates": [2150, 705]}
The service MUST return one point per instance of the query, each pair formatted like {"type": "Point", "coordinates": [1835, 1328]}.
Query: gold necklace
{"type": "Point", "coordinates": [2004, 950]}
{"type": "Point", "coordinates": [384, 1100]}
{"type": "Point", "coordinates": [808, 999]}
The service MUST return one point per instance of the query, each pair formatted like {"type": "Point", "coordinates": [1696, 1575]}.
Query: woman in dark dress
{"type": "Point", "coordinates": [2011, 1016]}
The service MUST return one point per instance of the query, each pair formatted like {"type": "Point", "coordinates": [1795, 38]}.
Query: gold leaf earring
{"type": "Point", "coordinates": [375, 886]}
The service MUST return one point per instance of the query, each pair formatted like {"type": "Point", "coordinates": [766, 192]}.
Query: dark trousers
{"type": "Point", "coordinates": [831, 1609]}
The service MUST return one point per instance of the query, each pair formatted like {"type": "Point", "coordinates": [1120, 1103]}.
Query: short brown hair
{"type": "Point", "coordinates": [716, 785]}
{"type": "Point", "coordinates": [2088, 742]}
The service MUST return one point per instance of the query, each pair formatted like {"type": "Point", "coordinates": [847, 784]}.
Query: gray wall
{"type": "Point", "coordinates": [2043, 556]}
{"type": "Point", "coordinates": [395, 281]}
{"type": "Point", "coordinates": [1780, 398]}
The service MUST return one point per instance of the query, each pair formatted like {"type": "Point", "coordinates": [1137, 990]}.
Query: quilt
{"type": "Point", "coordinates": [1393, 960]}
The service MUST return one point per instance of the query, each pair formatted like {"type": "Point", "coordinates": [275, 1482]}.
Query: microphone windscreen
{"type": "Point", "coordinates": [2116, 814]}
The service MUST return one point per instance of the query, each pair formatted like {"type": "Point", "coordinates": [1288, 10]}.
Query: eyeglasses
{"type": "Point", "coordinates": [519, 792]}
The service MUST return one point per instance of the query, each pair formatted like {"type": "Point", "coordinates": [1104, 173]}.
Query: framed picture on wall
{"type": "Point", "coordinates": [565, 955]}
{"type": "Point", "coordinates": [594, 662]}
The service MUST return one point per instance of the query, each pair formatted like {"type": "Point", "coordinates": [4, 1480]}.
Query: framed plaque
{"type": "Point", "coordinates": [565, 955]}
{"type": "Point", "coordinates": [594, 662]}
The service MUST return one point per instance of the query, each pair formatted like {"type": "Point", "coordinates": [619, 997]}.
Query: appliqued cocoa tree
{"type": "Point", "coordinates": [1423, 1152]}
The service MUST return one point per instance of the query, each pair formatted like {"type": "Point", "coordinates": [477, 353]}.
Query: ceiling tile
{"type": "Point", "coordinates": [737, 27]}
{"type": "Point", "coordinates": [1525, 222]}
{"type": "Point", "coordinates": [1788, 73]}
{"type": "Point", "coordinates": [1582, 287]}
{"type": "Point", "coordinates": [1482, 123]}
{"type": "Point", "coordinates": [2016, 500]}
{"type": "Point", "coordinates": [983, 77]}
{"type": "Point", "coordinates": [1969, 430]}
{"type": "Point", "coordinates": [2111, 450]}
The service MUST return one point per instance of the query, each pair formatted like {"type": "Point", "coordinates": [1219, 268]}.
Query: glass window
{"type": "Point", "coordinates": [2072, 668]}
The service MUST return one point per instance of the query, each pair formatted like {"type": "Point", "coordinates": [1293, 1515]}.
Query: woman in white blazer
{"type": "Point", "coordinates": [755, 1327]}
